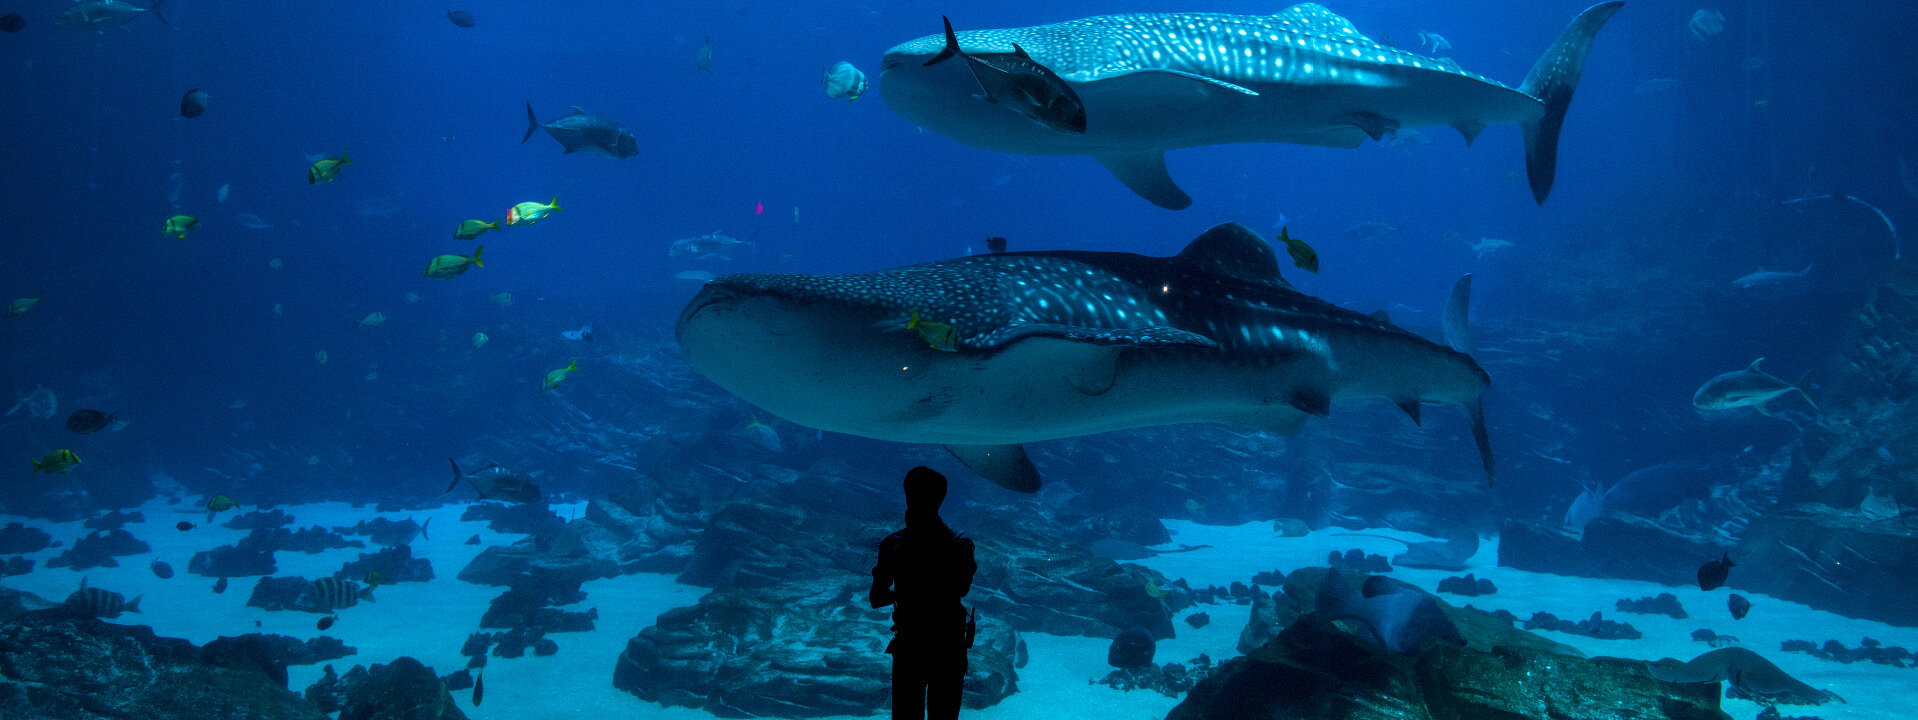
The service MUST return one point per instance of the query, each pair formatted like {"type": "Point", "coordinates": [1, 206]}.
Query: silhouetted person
{"type": "Point", "coordinates": [925, 569]}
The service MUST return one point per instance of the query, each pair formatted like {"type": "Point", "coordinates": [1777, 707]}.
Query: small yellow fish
{"type": "Point", "coordinates": [527, 213]}
{"type": "Point", "coordinates": [377, 578]}
{"type": "Point", "coordinates": [554, 378]}
{"type": "Point", "coordinates": [479, 339]}
{"type": "Point", "coordinates": [20, 306]}
{"type": "Point", "coordinates": [179, 225]}
{"type": "Point", "coordinates": [325, 168]}
{"type": "Point", "coordinates": [474, 228]}
{"type": "Point", "coordinates": [447, 267]}
{"type": "Point", "coordinates": [221, 503]}
{"type": "Point", "coordinates": [1152, 588]}
{"type": "Point", "coordinates": [373, 318]}
{"type": "Point", "coordinates": [1302, 254]}
{"type": "Point", "coordinates": [936, 334]}
{"type": "Point", "coordinates": [57, 462]}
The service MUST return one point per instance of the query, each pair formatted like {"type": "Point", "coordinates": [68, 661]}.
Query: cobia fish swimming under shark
{"type": "Point", "coordinates": [1157, 82]}
{"type": "Point", "coordinates": [1048, 345]}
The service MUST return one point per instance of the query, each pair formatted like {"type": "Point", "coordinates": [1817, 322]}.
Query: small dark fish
{"type": "Point", "coordinates": [1021, 84]}
{"type": "Point", "coordinates": [327, 622]}
{"type": "Point", "coordinates": [461, 18]}
{"type": "Point", "coordinates": [1739, 606]}
{"type": "Point", "coordinates": [193, 103]}
{"type": "Point", "coordinates": [497, 483]}
{"type": "Point", "coordinates": [474, 540]}
{"type": "Point", "coordinates": [328, 594]}
{"type": "Point", "coordinates": [162, 570]}
{"type": "Point", "coordinates": [377, 578]}
{"type": "Point", "coordinates": [12, 22]}
{"type": "Point", "coordinates": [584, 131]}
{"type": "Point", "coordinates": [184, 526]}
{"type": "Point", "coordinates": [706, 56]}
{"type": "Point", "coordinates": [1711, 575]}
{"type": "Point", "coordinates": [89, 421]}
{"type": "Point", "coordinates": [995, 244]}
{"type": "Point", "coordinates": [219, 586]}
{"type": "Point", "coordinates": [479, 688]}
{"type": "Point", "coordinates": [103, 604]}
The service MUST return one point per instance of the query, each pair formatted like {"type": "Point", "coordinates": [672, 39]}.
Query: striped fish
{"type": "Point", "coordinates": [329, 594]}
{"type": "Point", "coordinates": [103, 604]}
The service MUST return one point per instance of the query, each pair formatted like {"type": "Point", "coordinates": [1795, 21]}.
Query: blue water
{"type": "Point", "coordinates": [1662, 199]}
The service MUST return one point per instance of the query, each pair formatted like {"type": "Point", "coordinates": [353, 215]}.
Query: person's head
{"type": "Point", "coordinates": [925, 490]}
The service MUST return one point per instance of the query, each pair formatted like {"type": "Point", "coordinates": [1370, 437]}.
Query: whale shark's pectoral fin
{"type": "Point", "coordinates": [1144, 173]}
{"type": "Point", "coordinates": [1157, 336]}
{"type": "Point", "coordinates": [1005, 465]}
{"type": "Point", "coordinates": [1375, 125]}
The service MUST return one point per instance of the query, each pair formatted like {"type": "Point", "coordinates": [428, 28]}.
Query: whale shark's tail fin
{"type": "Point", "coordinates": [1552, 81]}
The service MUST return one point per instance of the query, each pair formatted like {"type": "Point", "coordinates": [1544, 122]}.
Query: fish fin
{"type": "Point", "coordinates": [343, 160]}
{"type": "Point", "coordinates": [476, 255]}
{"type": "Point", "coordinates": [1233, 250]}
{"type": "Point", "coordinates": [1470, 129]}
{"type": "Point", "coordinates": [1475, 412]}
{"type": "Point", "coordinates": [1800, 387]}
{"type": "Point", "coordinates": [1157, 336]}
{"type": "Point", "coordinates": [1021, 52]}
{"type": "Point", "coordinates": [952, 45]}
{"type": "Point", "coordinates": [1312, 402]}
{"type": "Point", "coordinates": [1552, 80]}
{"type": "Point", "coordinates": [1005, 465]}
{"type": "Point", "coordinates": [366, 594]}
{"type": "Point", "coordinates": [1373, 124]}
{"type": "Point", "coordinates": [457, 475]}
{"type": "Point", "coordinates": [155, 9]}
{"type": "Point", "coordinates": [1754, 366]}
{"type": "Point", "coordinates": [532, 123]}
{"type": "Point", "coordinates": [423, 525]}
{"type": "Point", "coordinates": [1411, 408]}
{"type": "Point", "coordinates": [1457, 308]}
{"type": "Point", "coordinates": [132, 606]}
{"type": "Point", "coordinates": [1144, 173]}
{"type": "Point", "coordinates": [555, 204]}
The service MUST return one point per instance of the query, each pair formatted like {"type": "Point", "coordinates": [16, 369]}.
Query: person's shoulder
{"type": "Point", "coordinates": [894, 540]}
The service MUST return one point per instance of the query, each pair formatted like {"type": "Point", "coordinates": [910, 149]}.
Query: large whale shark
{"type": "Point", "coordinates": [1157, 82]}
{"type": "Point", "coordinates": [1045, 345]}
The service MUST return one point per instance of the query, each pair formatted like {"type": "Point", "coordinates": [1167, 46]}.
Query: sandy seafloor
{"type": "Point", "coordinates": [430, 621]}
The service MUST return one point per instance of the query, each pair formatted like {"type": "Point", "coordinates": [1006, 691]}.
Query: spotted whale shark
{"type": "Point", "coordinates": [1057, 344]}
{"type": "Point", "coordinates": [1157, 82]}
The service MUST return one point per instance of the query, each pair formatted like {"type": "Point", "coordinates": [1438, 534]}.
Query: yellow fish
{"type": "Point", "coordinates": [936, 334]}
{"type": "Point", "coordinates": [474, 228]}
{"type": "Point", "coordinates": [446, 267]}
{"type": "Point", "coordinates": [57, 462]}
{"type": "Point", "coordinates": [179, 225]}
{"type": "Point", "coordinates": [527, 213]}
{"type": "Point", "coordinates": [554, 378]}
{"type": "Point", "coordinates": [324, 168]}
{"type": "Point", "coordinates": [221, 503]}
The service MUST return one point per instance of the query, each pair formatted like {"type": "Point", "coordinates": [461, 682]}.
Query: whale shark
{"type": "Point", "coordinates": [1053, 344]}
{"type": "Point", "coordinates": [1167, 81]}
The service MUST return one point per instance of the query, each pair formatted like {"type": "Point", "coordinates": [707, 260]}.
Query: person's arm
{"type": "Point", "coordinates": [881, 595]}
{"type": "Point", "coordinates": [969, 565]}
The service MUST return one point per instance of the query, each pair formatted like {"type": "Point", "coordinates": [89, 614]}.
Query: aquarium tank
{"type": "Point", "coordinates": [1229, 360]}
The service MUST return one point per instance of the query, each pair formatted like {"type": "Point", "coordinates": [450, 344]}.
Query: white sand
{"type": "Point", "coordinates": [430, 621]}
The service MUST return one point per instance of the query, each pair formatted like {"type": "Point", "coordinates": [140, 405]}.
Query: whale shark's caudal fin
{"type": "Point", "coordinates": [1144, 173]}
{"type": "Point", "coordinates": [1552, 81]}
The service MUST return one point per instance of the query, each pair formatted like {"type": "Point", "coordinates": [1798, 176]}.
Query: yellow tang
{"type": "Point", "coordinates": [447, 267]}
{"type": "Point", "coordinates": [57, 462]}
{"type": "Point", "coordinates": [221, 503]}
{"type": "Point", "coordinates": [474, 228]}
{"type": "Point", "coordinates": [937, 334]}
{"type": "Point", "coordinates": [179, 225]}
{"type": "Point", "coordinates": [527, 213]}
{"type": "Point", "coordinates": [324, 168]}
{"type": "Point", "coordinates": [553, 378]}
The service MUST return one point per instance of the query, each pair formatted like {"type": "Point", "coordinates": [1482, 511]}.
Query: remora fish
{"type": "Point", "coordinates": [1021, 84]}
{"type": "Point", "coordinates": [585, 131]}
{"type": "Point", "coordinates": [1059, 344]}
{"type": "Point", "coordinates": [1158, 82]}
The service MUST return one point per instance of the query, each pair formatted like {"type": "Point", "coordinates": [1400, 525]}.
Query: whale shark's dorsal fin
{"type": "Point", "coordinates": [1314, 17]}
{"type": "Point", "coordinates": [1236, 251]}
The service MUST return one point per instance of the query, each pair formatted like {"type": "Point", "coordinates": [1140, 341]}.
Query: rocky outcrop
{"type": "Point", "coordinates": [1315, 669]}
{"type": "Point", "coordinates": [1832, 559]}
{"type": "Point", "coordinates": [404, 689]}
{"type": "Point", "coordinates": [58, 665]}
{"type": "Point", "coordinates": [579, 554]}
{"type": "Point", "coordinates": [797, 649]}
{"type": "Point", "coordinates": [1614, 546]}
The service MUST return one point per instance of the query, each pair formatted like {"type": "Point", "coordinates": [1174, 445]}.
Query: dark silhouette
{"type": "Point", "coordinates": [925, 569]}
